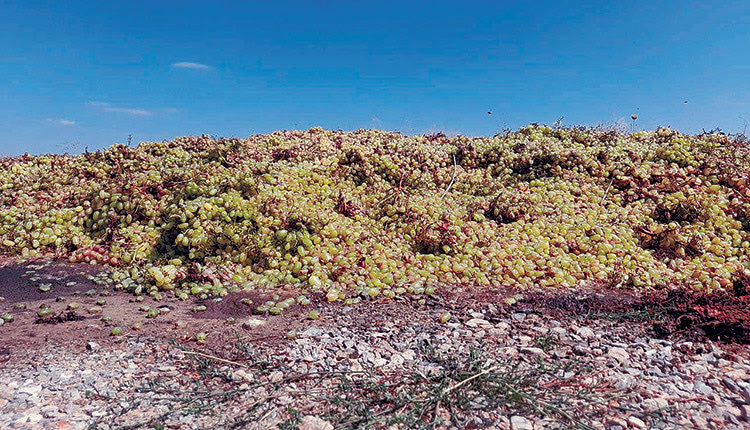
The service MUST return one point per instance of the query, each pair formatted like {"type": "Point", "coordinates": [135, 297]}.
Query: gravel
{"type": "Point", "coordinates": [635, 381]}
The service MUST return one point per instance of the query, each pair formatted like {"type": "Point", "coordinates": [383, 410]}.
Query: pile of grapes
{"type": "Point", "coordinates": [371, 213]}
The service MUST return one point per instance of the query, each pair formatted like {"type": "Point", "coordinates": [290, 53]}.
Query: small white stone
{"type": "Point", "coordinates": [30, 389]}
{"type": "Point", "coordinates": [254, 323]}
{"type": "Point", "coordinates": [559, 331]}
{"type": "Point", "coordinates": [277, 376]}
{"type": "Point", "coordinates": [586, 333]}
{"type": "Point", "coordinates": [697, 369]}
{"type": "Point", "coordinates": [532, 351]}
{"type": "Point", "coordinates": [34, 418]}
{"type": "Point", "coordinates": [654, 404]}
{"type": "Point", "coordinates": [636, 422]}
{"type": "Point", "coordinates": [314, 423]}
{"type": "Point", "coordinates": [477, 322]}
{"type": "Point", "coordinates": [619, 354]}
{"type": "Point", "coordinates": [520, 423]}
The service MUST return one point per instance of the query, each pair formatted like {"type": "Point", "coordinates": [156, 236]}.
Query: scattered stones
{"type": "Point", "coordinates": [133, 378]}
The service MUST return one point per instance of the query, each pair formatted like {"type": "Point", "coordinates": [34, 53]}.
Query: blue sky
{"type": "Point", "coordinates": [87, 74]}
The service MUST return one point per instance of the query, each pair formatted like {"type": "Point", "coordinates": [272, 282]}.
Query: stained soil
{"type": "Point", "coordinates": [67, 324]}
{"type": "Point", "coordinates": [718, 316]}
{"type": "Point", "coordinates": [721, 316]}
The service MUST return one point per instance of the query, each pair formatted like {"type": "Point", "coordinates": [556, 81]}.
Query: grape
{"type": "Point", "coordinates": [378, 214]}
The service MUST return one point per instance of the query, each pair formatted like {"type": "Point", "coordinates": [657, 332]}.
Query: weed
{"type": "Point", "coordinates": [456, 387]}
{"type": "Point", "coordinates": [546, 342]}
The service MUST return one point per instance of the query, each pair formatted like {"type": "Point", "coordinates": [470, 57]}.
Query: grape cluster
{"type": "Point", "coordinates": [369, 213]}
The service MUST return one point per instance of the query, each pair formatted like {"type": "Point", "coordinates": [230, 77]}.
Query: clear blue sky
{"type": "Point", "coordinates": [79, 74]}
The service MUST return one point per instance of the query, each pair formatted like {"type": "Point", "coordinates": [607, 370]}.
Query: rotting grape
{"type": "Point", "coordinates": [372, 213]}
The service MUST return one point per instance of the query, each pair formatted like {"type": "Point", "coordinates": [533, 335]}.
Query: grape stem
{"type": "Point", "coordinates": [607, 191]}
{"type": "Point", "coordinates": [455, 168]}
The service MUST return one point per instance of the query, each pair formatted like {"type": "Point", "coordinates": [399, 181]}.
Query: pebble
{"type": "Point", "coordinates": [30, 389]}
{"type": "Point", "coordinates": [532, 351]}
{"type": "Point", "coordinates": [636, 422]}
{"type": "Point", "coordinates": [520, 423]}
{"type": "Point", "coordinates": [313, 332]}
{"type": "Point", "coordinates": [585, 332]}
{"type": "Point", "coordinates": [618, 354]}
{"type": "Point", "coordinates": [253, 323]}
{"type": "Point", "coordinates": [310, 422]}
{"type": "Point", "coordinates": [654, 404]}
{"type": "Point", "coordinates": [477, 322]}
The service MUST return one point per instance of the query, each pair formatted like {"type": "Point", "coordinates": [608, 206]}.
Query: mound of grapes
{"type": "Point", "coordinates": [370, 213]}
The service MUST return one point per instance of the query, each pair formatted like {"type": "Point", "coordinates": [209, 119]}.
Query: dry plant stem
{"type": "Point", "coordinates": [455, 168]}
{"type": "Point", "coordinates": [607, 191]}
{"type": "Point", "coordinates": [213, 357]}
{"type": "Point", "coordinates": [469, 379]}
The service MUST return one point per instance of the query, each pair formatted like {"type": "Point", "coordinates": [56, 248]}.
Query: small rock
{"type": "Point", "coordinates": [93, 346]}
{"type": "Point", "coordinates": [277, 376]}
{"type": "Point", "coordinates": [314, 423]}
{"type": "Point", "coordinates": [524, 340]}
{"type": "Point", "coordinates": [737, 375]}
{"type": "Point", "coordinates": [34, 418]}
{"type": "Point", "coordinates": [622, 382]}
{"type": "Point", "coordinates": [241, 376]}
{"type": "Point", "coordinates": [397, 360]}
{"type": "Point", "coordinates": [50, 411]}
{"type": "Point", "coordinates": [697, 369]}
{"type": "Point", "coordinates": [476, 322]}
{"type": "Point", "coordinates": [30, 389]}
{"type": "Point", "coordinates": [745, 412]}
{"type": "Point", "coordinates": [253, 323]}
{"type": "Point", "coordinates": [636, 422]}
{"type": "Point", "coordinates": [558, 331]}
{"type": "Point", "coordinates": [619, 354]}
{"type": "Point", "coordinates": [409, 354]}
{"type": "Point", "coordinates": [616, 423]}
{"type": "Point", "coordinates": [702, 388]}
{"type": "Point", "coordinates": [95, 310]}
{"type": "Point", "coordinates": [502, 326]}
{"type": "Point", "coordinates": [532, 351]}
{"type": "Point", "coordinates": [654, 404]}
{"type": "Point", "coordinates": [313, 332]}
{"type": "Point", "coordinates": [520, 423]}
{"type": "Point", "coordinates": [518, 317]}
{"type": "Point", "coordinates": [585, 333]}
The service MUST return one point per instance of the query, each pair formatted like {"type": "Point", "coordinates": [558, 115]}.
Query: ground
{"type": "Point", "coordinates": [584, 359]}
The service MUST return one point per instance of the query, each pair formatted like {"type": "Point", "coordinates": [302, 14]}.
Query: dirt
{"type": "Point", "coordinates": [689, 315]}
{"type": "Point", "coordinates": [21, 297]}
{"type": "Point", "coordinates": [721, 316]}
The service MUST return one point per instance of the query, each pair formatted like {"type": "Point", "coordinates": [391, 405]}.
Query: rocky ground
{"type": "Point", "coordinates": [586, 360]}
